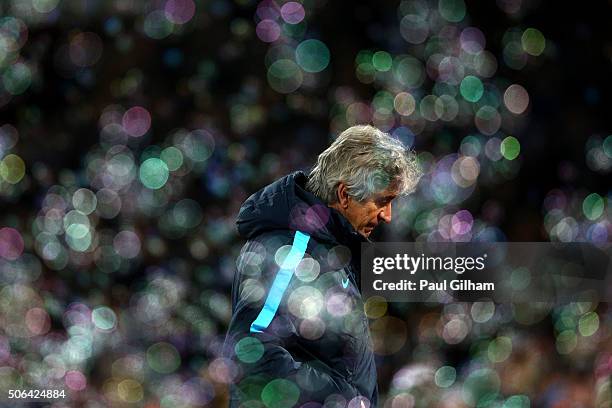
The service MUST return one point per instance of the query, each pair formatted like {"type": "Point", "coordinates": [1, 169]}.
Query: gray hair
{"type": "Point", "coordinates": [368, 161]}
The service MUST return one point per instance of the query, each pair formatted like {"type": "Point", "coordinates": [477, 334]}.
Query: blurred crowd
{"type": "Point", "coordinates": [131, 131]}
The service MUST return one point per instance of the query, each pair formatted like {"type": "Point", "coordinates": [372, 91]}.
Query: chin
{"type": "Point", "coordinates": [366, 233]}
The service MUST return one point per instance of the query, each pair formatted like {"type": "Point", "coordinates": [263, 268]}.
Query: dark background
{"type": "Point", "coordinates": [155, 317]}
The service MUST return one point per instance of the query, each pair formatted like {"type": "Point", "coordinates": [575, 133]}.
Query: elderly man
{"type": "Point", "coordinates": [299, 335]}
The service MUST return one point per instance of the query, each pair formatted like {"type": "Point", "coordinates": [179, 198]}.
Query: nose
{"type": "Point", "coordinates": [385, 213]}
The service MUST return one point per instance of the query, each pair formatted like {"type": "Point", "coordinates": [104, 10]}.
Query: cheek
{"type": "Point", "coordinates": [371, 215]}
{"type": "Point", "coordinates": [364, 217]}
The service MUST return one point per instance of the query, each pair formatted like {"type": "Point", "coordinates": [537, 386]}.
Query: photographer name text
{"type": "Point", "coordinates": [426, 285]}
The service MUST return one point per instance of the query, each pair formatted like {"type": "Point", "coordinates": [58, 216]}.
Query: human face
{"type": "Point", "coordinates": [365, 216]}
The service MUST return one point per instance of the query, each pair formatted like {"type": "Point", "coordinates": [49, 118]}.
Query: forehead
{"type": "Point", "coordinates": [389, 193]}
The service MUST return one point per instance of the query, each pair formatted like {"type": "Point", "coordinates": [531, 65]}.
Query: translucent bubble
{"type": "Point", "coordinates": [471, 88]}
{"type": "Point", "coordinates": [606, 145]}
{"type": "Point", "coordinates": [565, 230]}
{"type": "Point", "coordinates": [119, 170]}
{"type": "Point", "coordinates": [462, 222]}
{"type": "Point", "coordinates": [295, 31]}
{"type": "Point", "coordinates": [510, 148]}
{"type": "Point", "coordinates": [593, 206]}
{"type": "Point", "coordinates": [187, 213]}
{"type": "Point", "coordinates": [223, 370]}
{"type": "Point", "coordinates": [309, 218]}
{"type": "Point", "coordinates": [75, 218]}
{"type": "Point", "coordinates": [358, 112]}
{"type": "Point", "coordinates": [445, 376]}
{"type": "Point", "coordinates": [382, 61]}
{"type": "Point", "coordinates": [414, 28]}
{"type": "Point", "coordinates": [408, 71]}
{"type": "Point", "coordinates": [404, 103]}
{"type": "Point", "coordinates": [493, 149]}
{"type": "Point", "coordinates": [251, 290]}
{"type": "Point", "coordinates": [482, 311]}
{"type": "Point", "coordinates": [446, 108]}
{"type": "Point", "coordinates": [75, 380]}
{"type": "Point", "coordinates": [339, 304]}
{"type": "Point", "coordinates": [284, 76]}
{"type": "Point", "coordinates": [136, 121]}
{"type": "Point", "coordinates": [471, 146]}
{"type": "Point", "coordinates": [455, 331]}
{"type": "Point", "coordinates": [383, 102]}
{"type": "Point", "coordinates": [9, 137]}
{"type": "Point", "coordinates": [50, 250]}
{"type": "Point", "coordinates": [533, 41]}
{"type": "Point", "coordinates": [85, 49]}
{"type": "Point", "coordinates": [485, 64]}
{"type": "Point", "coordinates": [198, 391]}
{"type": "Point", "coordinates": [17, 78]}
{"type": "Point", "coordinates": [312, 55]}
{"type": "Point", "coordinates": [153, 173]}
{"type": "Point", "coordinates": [487, 120]}
{"type": "Point", "coordinates": [157, 25]}
{"type": "Point", "coordinates": [280, 393]}
{"type": "Point", "coordinates": [55, 365]}
{"type": "Point", "coordinates": [481, 387]}
{"type": "Point", "coordinates": [359, 402]}
{"type": "Point", "coordinates": [517, 401]}
{"type": "Point", "coordinates": [11, 243]}
{"type": "Point", "coordinates": [566, 342]}
{"type": "Point", "coordinates": [452, 10]}
{"type": "Point", "coordinates": [514, 56]}
{"type": "Point", "coordinates": [14, 32]}
{"type": "Point", "coordinates": [281, 254]}
{"type": "Point", "coordinates": [268, 31]}
{"type": "Point", "coordinates": [173, 158]}
{"type": "Point", "coordinates": [12, 169]}
{"type": "Point", "coordinates": [450, 70]}
{"type": "Point", "coordinates": [307, 270]}
{"type": "Point", "coordinates": [412, 376]}
{"type": "Point", "coordinates": [312, 329]}
{"type": "Point", "coordinates": [130, 391]}
{"type": "Point", "coordinates": [375, 307]}
{"type": "Point", "coordinates": [499, 349]}
{"type": "Point", "coordinates": [38, 321]}
{"type": "Point", "coordinates": [249, 350]}
{"type": "Point", "coordinates": [389, 335]}
{"type": "Point", "coordinates": [465, 171]}
{"type": "Point", "coordinates": [427, 108]}
{"type": "Point", "coordinates": [598, 232]}
{"type": "Point", "coordinates": [78, 237]}
{"type": "Point", "coordinates": [109, 203]}
{"type": "Point", "coordinates": [305, 302]}
{"type": "Point", "coordinates": [163, 358]}
{"type": "Point", "coordinates": [84, 201]}
{"type": "Point", "coordinates": [179, 11]}
{"type": "Point", "coordinates": [516, 99]}
{"type": "Point", "coordinates": [127, 244]}
{"type": "Point", "coordinates": [104, 318]}
{"type": "Point", "coordinates": [588, 324]}
{"type": "Point", "coordinates": [45, 6]}
{"type": "Point", "coordinates": [251, 262]}
{"type": "Point", "coordinates": [402, 400]}
{"type": "Point", "coordinates": [472, 40]}
{"type": "Point", "coordinates": [292, 12]}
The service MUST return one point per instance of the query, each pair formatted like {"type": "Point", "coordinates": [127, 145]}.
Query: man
{"type": "Point", "coordinates": [299, 335]}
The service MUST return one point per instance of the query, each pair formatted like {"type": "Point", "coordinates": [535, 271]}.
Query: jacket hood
{"type": "Point", "coordinates": [286, 205]}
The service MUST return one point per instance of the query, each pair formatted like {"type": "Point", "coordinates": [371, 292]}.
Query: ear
{"type": "Point", "coordinates": [342, 195]}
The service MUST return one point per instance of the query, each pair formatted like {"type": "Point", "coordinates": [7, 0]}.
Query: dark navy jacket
{"type": "Point", "coordinates": [298, 334]}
